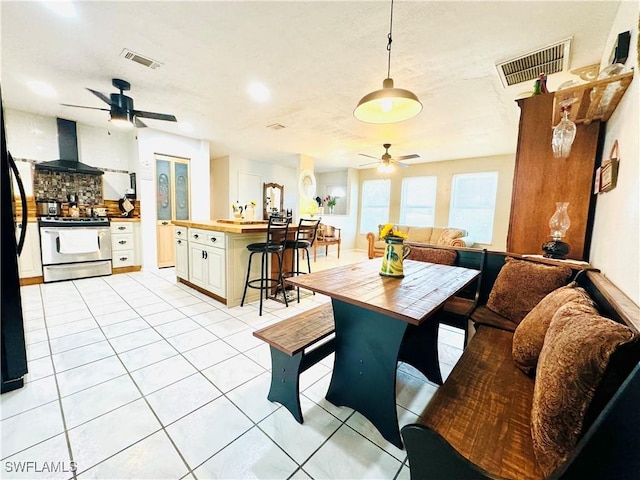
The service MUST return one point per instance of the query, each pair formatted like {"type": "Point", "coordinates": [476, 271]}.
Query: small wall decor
{"type": "Point", "coordinates": [607, 174]}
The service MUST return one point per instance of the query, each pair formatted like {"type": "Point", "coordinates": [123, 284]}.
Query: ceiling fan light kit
{"type": "Point", "coordinates": [121, 110]}
{"type": "Point", "coordinates": [390, 104]}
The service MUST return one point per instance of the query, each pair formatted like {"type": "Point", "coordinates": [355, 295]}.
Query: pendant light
{"type": "Point", "coordinates": [390, 104]}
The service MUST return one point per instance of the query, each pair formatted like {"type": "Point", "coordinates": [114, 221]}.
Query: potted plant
{"type": "Point", "coordinates": [331, 203]}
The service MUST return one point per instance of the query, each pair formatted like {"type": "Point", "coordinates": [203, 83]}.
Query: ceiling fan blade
{"type": "Point", "coordinates": [139, 123]}
{"type": "Point", "coordinates": [367, 164]}
{"type": "Point", "coordinates": [101, 96]}
{"type": "Point", "coordinates": [400, 164]}
{"type": "Point", "coordinates": [407, 157]}
{"type": "Point", "coordinates": [155, 116]}
{"type": "Point", "coordinates": [82, 106]}
{"type": "Point", "coordinates": [370, 156]}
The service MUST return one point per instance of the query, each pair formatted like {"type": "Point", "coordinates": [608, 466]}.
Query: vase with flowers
{"type": "Point", "coordinates": [395, 251]}
{"type": "Point", "coordinates": [331, 203]}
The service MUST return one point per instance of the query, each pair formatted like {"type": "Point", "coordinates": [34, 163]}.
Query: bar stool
{"type": "Point", "coordinates": [276, 234]}
{"type": "Point", "coordinates": [305, 236]}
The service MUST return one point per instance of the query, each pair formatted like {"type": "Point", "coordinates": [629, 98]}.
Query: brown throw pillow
{"type": "Point", "coordinates": [521, 285]}
{"type": "Point", "coordinates": [577, 349]}
{"type": "Point", "coordinates": [433, 255]}
{"type": "Point", "coordinates": [528, 337]}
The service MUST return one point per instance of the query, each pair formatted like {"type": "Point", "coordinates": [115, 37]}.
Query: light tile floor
{"type": "Point", "coordinates": [136, 376]}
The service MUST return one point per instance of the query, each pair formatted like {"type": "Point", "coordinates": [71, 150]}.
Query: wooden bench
{"type": "Point", "coordinates": [289, 341]}
{"type": "Point", "coordinates": [327, 235]}
{"type": "Point", "coordinates": [477, 425]}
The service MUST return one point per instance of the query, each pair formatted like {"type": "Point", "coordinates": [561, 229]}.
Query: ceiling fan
{"type": "Point", "coordinates": [121, 106]}
{"type": "Point", "coordinates": [387, 162]}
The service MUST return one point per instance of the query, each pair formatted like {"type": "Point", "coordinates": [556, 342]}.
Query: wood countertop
{"type": "Point", "coordinates": [218, 226]}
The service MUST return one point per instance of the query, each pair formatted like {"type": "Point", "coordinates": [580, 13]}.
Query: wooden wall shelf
{"type": "Point", "coordinates": [606, 96]}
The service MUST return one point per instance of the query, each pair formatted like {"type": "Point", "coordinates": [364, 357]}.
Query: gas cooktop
{"type": "Point", "coordinates": [75, 221]}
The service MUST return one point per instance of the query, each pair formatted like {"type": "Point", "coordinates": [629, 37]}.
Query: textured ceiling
{"type": "Point", "coordinates": [317, 58]}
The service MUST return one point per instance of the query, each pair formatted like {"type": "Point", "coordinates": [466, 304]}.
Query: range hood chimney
{"type": "Point", "coordinates": [68, 146]}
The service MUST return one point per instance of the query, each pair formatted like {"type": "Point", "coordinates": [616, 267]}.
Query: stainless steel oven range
{"type": "Point", "coordinates": [74, 247]}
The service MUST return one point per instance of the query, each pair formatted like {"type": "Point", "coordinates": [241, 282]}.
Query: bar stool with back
{"type": "Point", "coordinates": [305, 237]}
{"type": "Point", "coordinates": [274, 245]}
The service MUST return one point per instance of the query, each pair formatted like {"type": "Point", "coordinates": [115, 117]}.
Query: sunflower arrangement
{"type": "Point", "coordinates": [388, 231]}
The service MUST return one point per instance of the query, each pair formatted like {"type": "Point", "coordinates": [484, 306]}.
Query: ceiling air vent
{"type": "Point", "coordinates": [142, 60]}
{"type": "Point", "coordinates": [550, 59]}
{"type": "Point", "coordinates": [276, 126]}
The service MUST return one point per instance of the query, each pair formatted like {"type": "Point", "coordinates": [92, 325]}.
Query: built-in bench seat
{"type": "Point", "coordinates": [290, 342]}
{"type": "Point", "coordinates": [479, 422]}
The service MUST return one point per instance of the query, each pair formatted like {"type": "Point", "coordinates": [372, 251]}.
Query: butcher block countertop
{"type": "Point", "coordinates": [227, 226]}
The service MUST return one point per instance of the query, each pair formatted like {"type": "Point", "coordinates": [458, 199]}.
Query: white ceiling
{"type": "Point", "coordinates": [318, 59]}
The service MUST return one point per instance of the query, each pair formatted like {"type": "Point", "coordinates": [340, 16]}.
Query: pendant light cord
{"type": "Point", "coordinates": [389, 42]}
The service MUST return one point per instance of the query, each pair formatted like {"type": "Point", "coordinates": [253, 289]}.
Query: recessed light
{"type": "Point", "coordinates": [43, 89]}
{"type": "Point", "coordinates": [259, 92]}
{"type": "Point", "coordinates": [186, 127]}
{"type": "Point", "coordinates": [64, 8]}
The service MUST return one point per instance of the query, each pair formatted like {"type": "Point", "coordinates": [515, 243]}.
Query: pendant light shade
{"type": "Point", "coordinates": [390, 104]}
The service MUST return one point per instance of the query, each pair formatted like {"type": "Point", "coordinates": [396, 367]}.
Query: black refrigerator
{"type": "Point", "coordinates": [13, 351]}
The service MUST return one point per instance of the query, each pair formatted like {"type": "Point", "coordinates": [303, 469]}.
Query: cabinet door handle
{"type": "Point", "coordinates": [205, 255]}
{"type": "Point", "coordinates": [122, 259]}
{"type": "Point", "coordinates": [122, 228]}
{"type": "Point", "coordinates": [122, 242]}
{"type": "Point", "coordinates": [179, 242]}
{"type": "Point", "coordinates": [213, 239]}
{"type": "Point", "coordinates": [196, 236]}
{"type": "Point", "coordinates": [179, 232]}
{"type": "Point", "coordinates": [165, 223]}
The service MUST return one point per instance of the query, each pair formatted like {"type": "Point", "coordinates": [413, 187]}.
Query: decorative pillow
{"type": "Point", "coordinates": [577, 349]}
{"type": "Point", "coordinates": [433, 255]}
{"type": "Point", "coordinates": [528, 337]}
{"type": "Point", "coordinates": [449, 234]}
{"type": "Point", "coordinates": [521, 285]}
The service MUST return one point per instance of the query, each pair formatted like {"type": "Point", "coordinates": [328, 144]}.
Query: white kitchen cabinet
{"type": "Point", "coordinates": [125, 244]}
{"type": "Point", "coordinates": [207, 260]}
{"type": "Point", "coordinates": [30, 262]}
{"type": "Point", "coordinates": [182, 252]}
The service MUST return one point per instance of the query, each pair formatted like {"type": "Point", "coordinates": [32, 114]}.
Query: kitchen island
{"type": "Point", "coordinates": [212, 256]}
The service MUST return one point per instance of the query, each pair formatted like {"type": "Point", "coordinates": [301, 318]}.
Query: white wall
{"type": "Point", "coordinates": [151, 142]}
{"type": "Point", "coordinates": [616, 235]}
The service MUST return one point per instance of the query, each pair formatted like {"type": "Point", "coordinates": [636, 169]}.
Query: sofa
{"type": "Point", "coordinates": [453, 237]}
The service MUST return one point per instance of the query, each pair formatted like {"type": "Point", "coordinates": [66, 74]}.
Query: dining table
{"type": "Point", "coordinates": [380, 320]}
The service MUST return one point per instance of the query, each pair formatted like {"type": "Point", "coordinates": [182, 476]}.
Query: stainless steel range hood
{"type": "Point", "coordinates": [68, 145]}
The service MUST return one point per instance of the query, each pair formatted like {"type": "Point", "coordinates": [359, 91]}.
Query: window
{"type": "Point", "coordinates": [473, 202]}
{"type": "Point", "coordinates": [375, 204]}
{"type": "Point", "coordinates": [418, 203]}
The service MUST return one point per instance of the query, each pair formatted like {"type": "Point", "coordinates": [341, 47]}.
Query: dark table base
{"type": "Point", "coordinates": [368, 347]}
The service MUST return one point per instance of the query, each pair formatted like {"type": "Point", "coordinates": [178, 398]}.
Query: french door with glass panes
{"type": "Point", "coordinates": [172, 203]}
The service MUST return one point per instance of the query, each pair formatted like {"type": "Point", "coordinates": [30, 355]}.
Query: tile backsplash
{"type": "Point", "coordinates": [57, 185]}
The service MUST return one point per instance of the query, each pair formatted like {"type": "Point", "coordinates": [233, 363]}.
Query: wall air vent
{"type": "Point", "coordinates": [550, 59]}
{"type": "Point", "coordinates": [142, 60]}
{"type": "Point", "coordinates": [276, 126]}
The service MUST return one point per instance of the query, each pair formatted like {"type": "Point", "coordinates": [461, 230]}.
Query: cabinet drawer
{"type": "Point", "coordinates": [121, 227]}
{"type": "Point", "coordinates": [122, 241]}
{"type": "Point", "coordinates": [215, 239]}
{"type": "Point", "coordinates": [206, 237]}
{"type": "Point", "coordinates": [123, 258]}
{"type": "Point", "coordinates": [180, 232]}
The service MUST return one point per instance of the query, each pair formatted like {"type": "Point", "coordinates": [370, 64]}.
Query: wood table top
{"type": "Point", "coordinates": [414, 298]}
